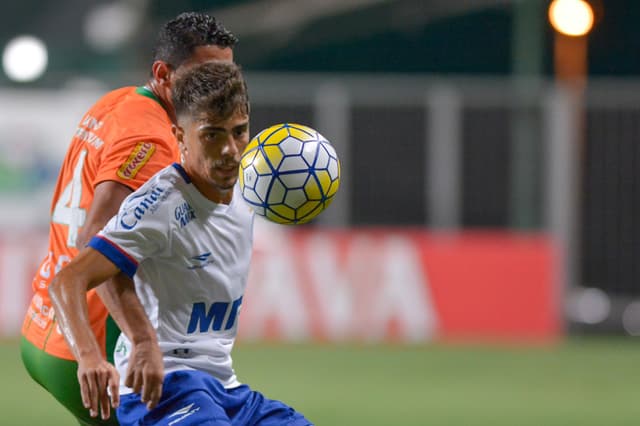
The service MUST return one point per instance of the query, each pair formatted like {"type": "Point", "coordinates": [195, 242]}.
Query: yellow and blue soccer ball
{"type": "Point", "coordinates": [289, 173]}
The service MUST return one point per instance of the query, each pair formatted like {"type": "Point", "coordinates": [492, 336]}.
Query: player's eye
{"type": "Point", "coordinates": [240, 131]}
{"type": "Point", "coordinates": [211, 136]}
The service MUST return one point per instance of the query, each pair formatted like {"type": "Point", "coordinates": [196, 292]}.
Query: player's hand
{"type": "Point", "coordinates": [98, 379]}
{"type": "Point", "coordinates": [146, 372]}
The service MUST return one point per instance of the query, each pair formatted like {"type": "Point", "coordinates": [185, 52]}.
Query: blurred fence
{"type": "Point", "coordinates": [443, 154]}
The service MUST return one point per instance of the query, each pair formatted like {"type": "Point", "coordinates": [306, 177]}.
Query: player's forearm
{"type": "Point", "coordinates": [68, 297]}
{"type": "Point", "coordinates": [120, 298]}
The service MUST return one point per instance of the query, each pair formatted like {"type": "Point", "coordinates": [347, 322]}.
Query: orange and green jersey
{"type": "Point", "coordinates": [125, 137]}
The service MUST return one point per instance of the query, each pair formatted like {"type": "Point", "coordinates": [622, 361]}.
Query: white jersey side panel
{"type": "Point", "coordinates": [189, 258]}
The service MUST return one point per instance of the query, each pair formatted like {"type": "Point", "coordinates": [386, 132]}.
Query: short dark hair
{"type": "Point", "coordinates": [214, 87]}
{"type": "Point", "coordinates": [178, 37]}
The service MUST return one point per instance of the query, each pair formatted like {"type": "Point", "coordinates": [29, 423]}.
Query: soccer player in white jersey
{"type": "Point", "coordinates": [185, 237]}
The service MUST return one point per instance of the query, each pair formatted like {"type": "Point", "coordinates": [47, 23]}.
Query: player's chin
{"type": "Point", "coordinates": [224, 175]}
{"type": "Point", "coordinates": [226, 184]}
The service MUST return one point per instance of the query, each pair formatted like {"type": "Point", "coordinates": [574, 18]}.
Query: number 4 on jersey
{"type": "Point", "coordinates": [67, 210]}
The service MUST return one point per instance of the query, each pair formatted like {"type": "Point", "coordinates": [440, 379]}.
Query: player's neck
{"type": "Point", "coordinates": [213, 194]}
{"type": "Point", "coordinates": [207, 189]}
{"type": "Point", "coordinates": [163, 97]}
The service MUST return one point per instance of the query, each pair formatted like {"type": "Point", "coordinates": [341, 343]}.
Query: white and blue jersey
{"type": "Point", "coordinates": [189, 258]}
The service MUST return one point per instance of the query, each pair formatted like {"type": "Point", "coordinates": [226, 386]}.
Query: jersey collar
{"type": "Point", "coordinates": [145, 91]}
{"type": "Point", "coordinates": [182, 172]}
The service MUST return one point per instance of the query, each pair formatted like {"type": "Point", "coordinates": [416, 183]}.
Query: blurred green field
{"type": "Point", "coordinates": [582, 382]}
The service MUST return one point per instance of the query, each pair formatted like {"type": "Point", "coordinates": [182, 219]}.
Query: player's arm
{"type": "Point", "coordinates": [68, 296]}
{"type": "Point", "coordinates": [146, 371]}
{"type": "Point", "coordinates": [107, 198]}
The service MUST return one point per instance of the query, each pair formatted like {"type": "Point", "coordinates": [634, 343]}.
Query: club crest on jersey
{"type": "Point", "coordinates": [138, 158]}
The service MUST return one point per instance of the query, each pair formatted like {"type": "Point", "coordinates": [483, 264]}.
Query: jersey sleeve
{"type": "Point", "coordinates": [133, 161]}
{"type": "Point", "coordinates": [139, 231]}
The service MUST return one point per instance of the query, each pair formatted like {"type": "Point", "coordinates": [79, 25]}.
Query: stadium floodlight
{"type": "Point", "coordinates": [571, 17]}
{"type": "Point", "coordinates": [24, 58]}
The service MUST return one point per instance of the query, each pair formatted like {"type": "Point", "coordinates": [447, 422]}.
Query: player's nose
{"type": "Point", "coordinates": [231, 148]}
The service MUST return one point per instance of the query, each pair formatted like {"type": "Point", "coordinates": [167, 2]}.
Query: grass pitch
{"type": "Point", "coordinates": [581, 382]}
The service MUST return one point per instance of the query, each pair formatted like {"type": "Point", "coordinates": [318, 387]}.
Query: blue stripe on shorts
{"type": "Point", "coordinates": [192, 398]}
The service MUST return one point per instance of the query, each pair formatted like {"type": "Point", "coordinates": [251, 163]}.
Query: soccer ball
{"type": "Point", "coordinates": [289, 173]}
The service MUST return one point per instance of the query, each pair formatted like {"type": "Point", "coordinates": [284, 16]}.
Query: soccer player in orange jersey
{"type": "Point", "coordinates": [124, 139]}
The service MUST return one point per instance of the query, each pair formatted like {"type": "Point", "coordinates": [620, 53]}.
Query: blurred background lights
{"type": "Point", "coordinates": [24, 58]}
{"type": "Point", "coordinates": [588, 305]}
{"type": "Point", "coordinates": [109, 26]}
{"type": "Point", "coordinates": [571, 17]}
{"type": "Point", "coordinates": [631, 319]}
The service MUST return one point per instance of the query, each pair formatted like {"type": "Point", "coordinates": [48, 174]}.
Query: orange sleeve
{"type": "Point", "coordinates": [132, 162]}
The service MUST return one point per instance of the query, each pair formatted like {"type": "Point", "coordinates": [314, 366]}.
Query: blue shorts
{"type": "Point", "coordinates": [195, 398]}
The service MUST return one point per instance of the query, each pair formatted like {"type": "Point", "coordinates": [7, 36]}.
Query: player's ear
{"type": "Point", "coordinates": [161, 72]}
{"type": "Point", "coordinates": [178, 133]}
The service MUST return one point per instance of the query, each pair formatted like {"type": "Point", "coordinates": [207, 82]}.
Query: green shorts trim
{"type": "Point", "coordinates": [59, 377]}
